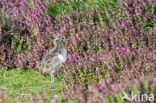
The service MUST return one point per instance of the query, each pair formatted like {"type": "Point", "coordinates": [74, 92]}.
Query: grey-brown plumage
{"type": "Point", "coordinates": [54, 59]}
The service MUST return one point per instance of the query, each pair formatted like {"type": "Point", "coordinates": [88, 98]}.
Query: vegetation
{"type": "Point", "coordinates": [112, 44]}
{"type": "Point", "coordinates": [19, 86]}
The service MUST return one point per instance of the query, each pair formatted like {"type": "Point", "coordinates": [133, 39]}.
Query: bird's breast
{"type": "Point", "coordinates": [62, 58]}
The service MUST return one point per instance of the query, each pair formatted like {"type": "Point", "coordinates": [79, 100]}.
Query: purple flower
{"type": "Point", "coordinates": [2, 94]}
{"type": "Point", "coordinates": [32, 97]}
{"type": "Point", "coordinates": [40, 95]}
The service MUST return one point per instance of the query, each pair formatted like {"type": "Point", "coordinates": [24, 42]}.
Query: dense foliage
{"type": "Point", "coordinates": [110, 40]}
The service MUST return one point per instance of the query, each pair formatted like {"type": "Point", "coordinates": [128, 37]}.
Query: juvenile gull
{"type": "Point", "coordinates": [54, 59]}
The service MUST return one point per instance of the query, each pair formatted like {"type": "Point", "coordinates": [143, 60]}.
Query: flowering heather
{"type": "Point", "coordinates": [122, 46]}
{"type": "Point", "coordinates": [23, 33]}
{"type": "Point", "coordinates": [111, 92]}
{"type": "Point", "coordinates": [103, 92]}
{"type": "Point", "coordinates": [113, 43]}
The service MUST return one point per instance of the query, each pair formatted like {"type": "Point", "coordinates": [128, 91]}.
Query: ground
{"type": "Point", "coordinates": [19, 84]}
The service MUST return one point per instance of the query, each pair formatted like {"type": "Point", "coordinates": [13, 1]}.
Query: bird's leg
{"type": "Point", "coordinates": [52, 78]}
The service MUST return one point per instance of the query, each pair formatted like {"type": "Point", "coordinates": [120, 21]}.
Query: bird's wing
{"type": "Point", "coordinates": [50, 55]}
{"type": "Point", "coordinates": [54, 50]}
{"type": "Point", "coordinates": [51, 61]}
{"type": "Point", "coordinates": [54, 62]}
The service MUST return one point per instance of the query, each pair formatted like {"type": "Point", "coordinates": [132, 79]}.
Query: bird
{"type": "Point", "coordinates": [54, 59]}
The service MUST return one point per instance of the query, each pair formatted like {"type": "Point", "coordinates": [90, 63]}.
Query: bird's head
{"type": "Point", "coordinates": [60, 38]}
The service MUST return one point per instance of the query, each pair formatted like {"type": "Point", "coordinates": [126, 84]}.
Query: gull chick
{"type": "Point", "coordinates": [52, 62]}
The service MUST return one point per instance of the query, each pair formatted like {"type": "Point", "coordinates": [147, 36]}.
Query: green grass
{"type": "Point", "coordinates": [19, 84]}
